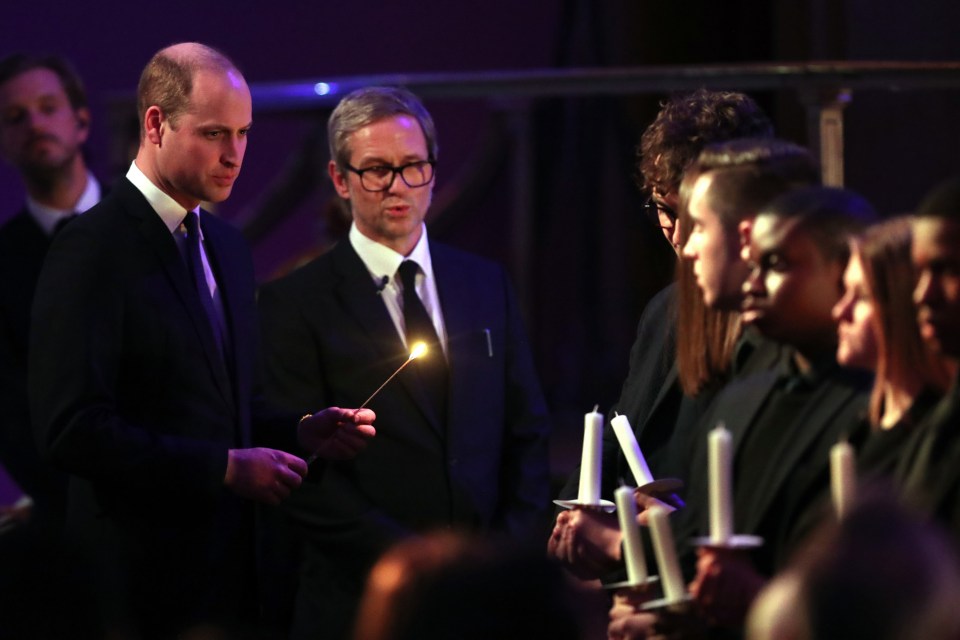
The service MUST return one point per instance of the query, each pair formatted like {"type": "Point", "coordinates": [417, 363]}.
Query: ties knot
{"type": "Point", "coordinates": [191, 222]}
{"type": "Point", "coordinates": [408, 274]}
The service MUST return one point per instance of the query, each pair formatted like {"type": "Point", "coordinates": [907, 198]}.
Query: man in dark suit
{"type": "Point", "coordinates": [463, 429]}
{"type": "Point", "coordinates": [142, 369]}
{"type": "Point", "coordinates": [44, 122]}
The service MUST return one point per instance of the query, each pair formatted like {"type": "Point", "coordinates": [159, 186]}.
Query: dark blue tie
{"type": "Point", "coordinates": [195, 265]}
{"type": "Point", "coordinates": [432, 367]}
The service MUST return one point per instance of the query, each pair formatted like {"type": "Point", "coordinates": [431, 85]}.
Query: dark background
{"type": "Point", "coordinates": [591, 261]}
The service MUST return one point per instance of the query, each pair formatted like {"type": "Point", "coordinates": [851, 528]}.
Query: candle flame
{"type": "Point", "coordinates": [418, 350]}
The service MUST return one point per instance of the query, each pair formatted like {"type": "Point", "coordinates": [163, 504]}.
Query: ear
{"type": "Point", "coordinates": [744, 228]}
{"type": "Point", "coordinates": [339, 180]}
{"type": "Point", "coordinates": [153, 125]}
{"type": "Point", "coordinates": [83, 122]}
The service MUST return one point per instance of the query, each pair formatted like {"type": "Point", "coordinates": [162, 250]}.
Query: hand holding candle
{"type": "Point", "coordinates": [418, 350]}
{"type": "Point", "coordinates": [632, 544]}
{"type": "Point", "coordinates": [843, 479]}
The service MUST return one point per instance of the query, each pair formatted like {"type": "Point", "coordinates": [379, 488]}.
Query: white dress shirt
{"type": "Point", "coordinates": [382, 261]}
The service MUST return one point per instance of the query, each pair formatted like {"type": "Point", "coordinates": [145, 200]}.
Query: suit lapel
{"type": "Point", "coordinates": [158, 237]}
{"type": "Point", "coordinates": [360, 299]}
{"type": "Point", "coordinates": [739, 418]}
{"type": "Point", "coordinates": [231, 289]}
{"type": "Point", "coordinates": [468, 345]}
{"type": "Point", "coordinates": [665, 388]}
{"type": "Point", "coordinates": [818, 414]}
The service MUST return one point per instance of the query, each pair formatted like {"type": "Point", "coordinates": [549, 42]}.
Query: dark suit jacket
{"type": "Point", "coordinates": [330, 340]}
{"type": "Point", "coordinates": [929, 470]}
{"type": "Point", "coordinates": [23, 247]}
{"type": "Point", "coordinates": [790, 476]}
{"type": "Point", "coordinates": [130, 396]}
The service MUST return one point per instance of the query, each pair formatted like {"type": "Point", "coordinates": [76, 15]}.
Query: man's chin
{"type": "Point", "coordinates": [751, 316]}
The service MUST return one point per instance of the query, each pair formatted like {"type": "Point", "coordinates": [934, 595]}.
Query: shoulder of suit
{"type": "Point", "coordinates": [316, 274]}
{"type": "Point", "coordinates": [747, 385]}
{"type": "Point", "coordinates": [17, 227]}
{"type": "Point", "coordinates": [445, 255]}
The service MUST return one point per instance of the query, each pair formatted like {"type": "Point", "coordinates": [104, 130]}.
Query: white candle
{"type": "Point", "coordinates": [721, 491]}
{"type": "Point", "coordinates": [631, 450]}
{"type": "Point", "coordinates": [670, 577]}
{"type": "Point", "coordinates": [589, 492]}
{"type": "Point", "coordinates": [843, 479]}
{"type": "Point", "coordinates": [632, 545]}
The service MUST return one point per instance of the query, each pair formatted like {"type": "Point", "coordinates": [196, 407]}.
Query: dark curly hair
{"type": "Point", "coordinates": [685, 125]}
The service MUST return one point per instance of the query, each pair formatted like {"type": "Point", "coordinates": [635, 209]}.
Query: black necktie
{"type": "Point", "coordinates": [195, 265]}
{"type": "Point", "coordinates": [432, 367]}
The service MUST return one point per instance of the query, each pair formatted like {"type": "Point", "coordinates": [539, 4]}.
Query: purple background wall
{"type": "Point", "coordinates": [594, 261]}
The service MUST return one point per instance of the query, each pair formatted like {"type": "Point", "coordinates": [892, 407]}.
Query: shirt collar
{"type": "Point", "coordinates": [382, 261]}
{"type": "Point", "coordinates": [48, 217]}
{"type": "Point", "coordinates": [166, 207]}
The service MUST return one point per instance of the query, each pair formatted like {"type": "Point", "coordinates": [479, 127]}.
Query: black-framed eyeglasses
{"type": "Point", "coordinates": [381, 177]}
{"type": "Point", "coordinates": [656, 211]}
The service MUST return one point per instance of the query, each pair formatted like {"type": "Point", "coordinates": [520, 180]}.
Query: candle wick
{"type": "Point", "coordinates": [595, 407]}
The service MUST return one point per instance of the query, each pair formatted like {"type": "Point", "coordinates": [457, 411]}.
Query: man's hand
{"type": "Point", "coordinates": [628, 620]}
{"type": "Point", "coordinates": [629, 623]}
{"type": "Point", "coordinates": [586, 541]}
{"type": "Point", "coordinates": [725, 586]}
{"type": "Point", "coordinates": [335, 433]}
{"type": "Point", "coordinates": [644, 501]}
{"type": "Point", "coordinates": [264, 475]}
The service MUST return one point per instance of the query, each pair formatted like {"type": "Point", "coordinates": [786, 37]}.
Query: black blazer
{"type": "Point", "coordinates": [929, 470]}
{"type": "Point", "coordinates": [791, 476]}
{"type": "Point", "coordinates": [330, 340]}
{"type": "Point", "coordinates": [23, 247]}
{"type": "Point", "coordinates": [130, 396]}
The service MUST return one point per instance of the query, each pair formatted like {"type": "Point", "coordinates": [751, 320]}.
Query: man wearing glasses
{"type": "Point", "coordinates": [463, 427]}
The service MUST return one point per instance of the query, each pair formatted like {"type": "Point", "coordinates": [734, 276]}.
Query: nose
{"type": "Point", "coordinates": [925, 291]}
{"type": "Point", "coordinates": [233, 150]}
{"type": "Point", "coordinates": [676, 237]}
{"type": "Point", "coordinates": [842, 310]}
{"type": "Point", "coordinates": [396, 184]}
{"type": "Point", "coordinates": [753, 285]}
{"type": "Point", "coordinates": [689, 248]}
{"type": "Point", "coordinates": [34, 119]}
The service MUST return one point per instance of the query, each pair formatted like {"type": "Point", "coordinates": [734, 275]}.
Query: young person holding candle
{"type": "Point", "coordinates": [783, 422]}
{"type": "Point", "coordinates": [928, 471]}
{"type": "Point", "coordinates": [720, 194]}
{"type": "Point", "coordinates": [588, 542]}
{"type": "Point", "coordinates": [878, 330]}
